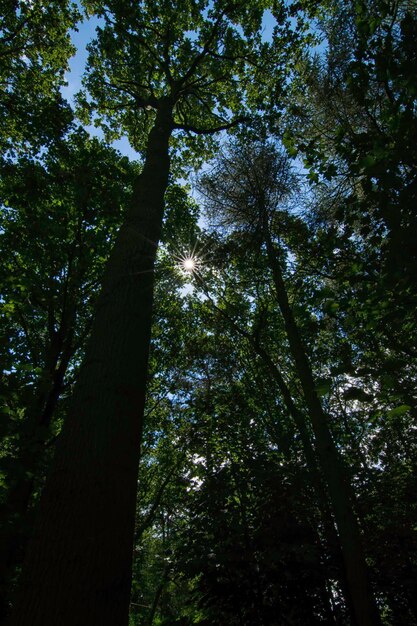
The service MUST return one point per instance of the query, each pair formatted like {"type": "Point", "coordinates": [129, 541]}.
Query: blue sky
{"type": "Point", "coordinates": [80, 39]}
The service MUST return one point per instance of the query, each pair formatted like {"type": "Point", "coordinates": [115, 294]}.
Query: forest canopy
{"type": "Point", "coordinates": [208, 344]}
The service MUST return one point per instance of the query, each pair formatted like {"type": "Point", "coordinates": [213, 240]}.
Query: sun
{"type": "Point", "coordinates": [189, 264]}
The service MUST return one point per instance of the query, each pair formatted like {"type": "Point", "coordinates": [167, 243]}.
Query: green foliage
{"type": "Point", "coordinates": [356, 123]}
{"type": "Point", "coordinates": [34, 50]}
{"type": "Point", "coordinates": [234, 523]}
{"type": "Point", "coordinates": [201, 57]}
{"type": "Point", "coordinates": [59, 216]}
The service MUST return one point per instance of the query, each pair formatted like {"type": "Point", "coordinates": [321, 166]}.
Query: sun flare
{"type": "Point", "coordinates": [189, 264]}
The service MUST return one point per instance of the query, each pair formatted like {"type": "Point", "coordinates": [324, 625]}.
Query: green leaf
{"type": "Point", "coordinates": [399, 410]}
{"type": "Point", "coordinates": [323, 387]}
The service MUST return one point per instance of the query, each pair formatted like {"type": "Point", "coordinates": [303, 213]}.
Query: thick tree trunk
{"type": "Point", "coordinates": [78, 565]}
{"type": "Point", "coordinates": [364, 607]}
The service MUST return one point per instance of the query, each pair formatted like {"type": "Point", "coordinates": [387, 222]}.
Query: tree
{"type": "Point", "coordinates": [280, 399]}
{"type": "Point", "coordinates": [87, 509]}
{"type": "Point", "coordinates": [353, 120]}
{"type": "Point", "coordinates": [246, 188]}
{"type": "Point", "coordinates": [355, 125]}
{"type": "Point", "coordinates": [34, 50]}
{"type": "Point", "coordinates": [57, 224]}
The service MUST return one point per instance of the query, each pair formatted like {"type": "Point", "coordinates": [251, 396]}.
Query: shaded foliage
{"type": "Point", "coordinates": [301, 306]}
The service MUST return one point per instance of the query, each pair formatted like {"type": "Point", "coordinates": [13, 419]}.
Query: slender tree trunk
{"type": "Point", "coordinates": [78, 566]}
{"type": "Point", "coordinates": [158, 595]}
{"type": "Point", "coordinates": [309, 453]}
{"type": "Point", "coordinates": [314, 472]}
{"type": "Point", "coordinates": [29, 461]}
{"type": "Point", "coordinates": [364, 607]}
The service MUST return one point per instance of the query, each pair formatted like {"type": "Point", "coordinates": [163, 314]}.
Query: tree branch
{"type": "Point", "coordinates": [210, 131]}
{"type": "Point", "coordinates": [204, 51]}
{"type": "Point", "coordinates": [141, 101]}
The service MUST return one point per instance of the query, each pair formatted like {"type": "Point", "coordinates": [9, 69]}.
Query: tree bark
{"type": "Point", "coordinates": [78, 565]}
{"type": "Point", "coordinates": [365, 612]}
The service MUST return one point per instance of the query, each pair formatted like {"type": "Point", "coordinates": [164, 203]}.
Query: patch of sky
{"type": "Point", "coordinates": [80, 38]}
{"type": "Point", "coordinates": [268, 24]}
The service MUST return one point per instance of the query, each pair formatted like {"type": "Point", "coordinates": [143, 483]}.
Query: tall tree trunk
{"type": "Point", "coordinates": [78, 565]}
{"type": "Point", "coordinates": [364, 607]}
{"type": "Point", "coordinates": [158, 594]}
{"type": "Point", "coordinates": [313, 468]}
{"type": "Point", "coordinates": [314, 472]}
